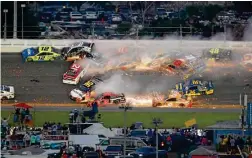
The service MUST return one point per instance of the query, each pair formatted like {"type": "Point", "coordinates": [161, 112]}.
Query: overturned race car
{"type": "Point", "coordinates": [77, 51]}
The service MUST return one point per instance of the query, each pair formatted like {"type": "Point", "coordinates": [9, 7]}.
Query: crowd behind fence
{"type": "Point", "coordinates": [122, 33]}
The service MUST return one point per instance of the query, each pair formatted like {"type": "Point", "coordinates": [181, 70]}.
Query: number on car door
{"type": "Point", "coordinates": [41, 56]}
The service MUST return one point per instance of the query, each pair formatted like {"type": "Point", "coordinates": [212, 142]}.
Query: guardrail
{"type": "Point", "coordinates": [16, 45]}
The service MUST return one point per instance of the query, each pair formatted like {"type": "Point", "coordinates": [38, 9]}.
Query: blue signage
{"type": "Point", "coordinates": [249, 114]}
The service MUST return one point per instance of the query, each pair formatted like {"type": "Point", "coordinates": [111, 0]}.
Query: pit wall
{"type": "Point", "coordinates": [17, 45]}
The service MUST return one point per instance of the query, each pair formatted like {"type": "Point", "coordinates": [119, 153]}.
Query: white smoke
{"type": "Point", "coordinates": [247, 36]}
{"type": "Point", "coordinates": [119, 82]}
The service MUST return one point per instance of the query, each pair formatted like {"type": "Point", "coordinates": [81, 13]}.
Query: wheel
{"type": "Point", "coordinates": [156, 105]}
{"type": "Point", "coordinates": [116, 102]}
{"type": "Point", "coordinates": [4, 98]}
{"type": "Point", "coordinates": [29, 59]}
{"type": "Point", "coordinates": [181, 105]}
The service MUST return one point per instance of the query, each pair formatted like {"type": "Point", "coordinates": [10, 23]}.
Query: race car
{"type": "Point", "coordinates": [109, 98]}
{"type": "Point", "coordinates": [184, 67]}
{"type": "Point", "coordinates": [195, 88]}
{"type": "Point", "coordinates": [77, 51]}
{"type": "Point", "coordinates": [172, 102]}
{"type": "Point", "coordinates": [89, 86]}
{"type": "Point", "coordinates": [41, 53]}
{"type": "Point", "coordinates": [106, 98]}
{"type": "Point", "coordinates": [7, 92]}
{"type": "Point", "coordinates": [217, 54]}
{"type": "Point", "coordinates": [175, 99]}
{"type": "Point", "coordinates": [75, 73]}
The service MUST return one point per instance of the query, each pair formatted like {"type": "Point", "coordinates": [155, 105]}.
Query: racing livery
{"type": "Point", "coordinates": [41, 53]}
{"type": "Point", "coordinates": [195, 87]}
{"type": "Point", "coordinates": [175, 99]}
{"type": "Point", "coordinates": [89, 85]}
{"type": "Point", "coordinates": [7, 92]}
{"type": "Point", "coordinates": [217, 54]}
{"type": "Point", "coordinates": [77, 51]}
{"type": "Point", "coordinates": [185, 67]}
{"type": "Point", "coordinates": [109, 98]}
{"type": "Point", "coordinates": [74, 74]}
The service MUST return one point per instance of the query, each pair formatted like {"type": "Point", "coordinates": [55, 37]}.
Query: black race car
{"type": "Point", "coordinates": [217, 54]}
{"type": "Point", "coordinates": [77, 51]}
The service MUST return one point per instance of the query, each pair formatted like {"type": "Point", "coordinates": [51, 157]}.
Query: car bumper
{"type": "Point", "coordinates": [69, 82]}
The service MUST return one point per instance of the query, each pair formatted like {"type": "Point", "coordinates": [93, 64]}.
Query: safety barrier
{"type": "Point", "coordinates": [16, 45]}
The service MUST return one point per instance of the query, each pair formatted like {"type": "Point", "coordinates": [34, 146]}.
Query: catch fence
{"type": "Point", "coordinates": [111, 32]}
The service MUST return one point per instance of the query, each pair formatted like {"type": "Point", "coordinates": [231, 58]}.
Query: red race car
{"type": "Point", "coordinates": [109, 98]}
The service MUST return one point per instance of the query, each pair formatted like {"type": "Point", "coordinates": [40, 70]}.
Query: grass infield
{"type": "Point", "coordinates": [115, 119]}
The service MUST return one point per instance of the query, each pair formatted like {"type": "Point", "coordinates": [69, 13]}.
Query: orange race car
{"type": "Point", "coordinates": [174, 100]}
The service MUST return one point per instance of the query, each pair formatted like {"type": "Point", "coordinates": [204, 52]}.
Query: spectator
{"type": "Point", "coordinates": [204, 141]}
{"type": "Point", "coordinates": [150, 133]}
{"type": "Point", "coordinates": [27, 111]}
{"type": "Point", "coordinates": [23, 113]}
{"type": "Point", "coordinates": [33, 139]}
{"type": "Point", "coordinates": [232, 144]}
{"type": "Point", "coordinates": [17, 114]}
{"type": "Point", "coordinates": [54, 129]}
{"type": "Point", "coordinates": [27, 139]}
{"type": "Point", "coordinates": [37, 142]}
{"type": "Point", "coordinates": [4, 124]}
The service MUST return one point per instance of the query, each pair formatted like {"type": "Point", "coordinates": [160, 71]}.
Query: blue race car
{"type": "Point", "coordinates": [89, 85]}
{"type": "Point", "coordinates": [195, 87]}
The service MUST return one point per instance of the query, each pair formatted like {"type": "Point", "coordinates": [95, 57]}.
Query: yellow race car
{"type": "Point", "coordinates": [41, 53]}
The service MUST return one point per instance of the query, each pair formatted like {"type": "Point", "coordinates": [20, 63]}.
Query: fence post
{"type": "Point", "coordinates": [180, 28]}
{"type": "Point", "coordinates": [137, 33]}
{"type": "Point", "coordinates": [15, 20]}
{"type": "Point", "coordinates": [225, 32]}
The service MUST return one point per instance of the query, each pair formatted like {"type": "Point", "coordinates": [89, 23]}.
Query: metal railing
{"type": "Point", "coordinates": [179, 32]}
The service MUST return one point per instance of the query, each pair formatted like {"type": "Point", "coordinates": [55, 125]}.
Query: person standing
{"type": "Point", "coordinates": [4, 123]}
{"type": "Point", "coordinates": [33, 139]}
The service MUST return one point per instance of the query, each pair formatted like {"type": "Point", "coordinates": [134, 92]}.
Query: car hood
{"type": "Point", "coordinates": [76, 93]}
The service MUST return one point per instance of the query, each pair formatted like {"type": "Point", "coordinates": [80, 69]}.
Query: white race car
{"type": "Point", "coordinates": [7, 92]}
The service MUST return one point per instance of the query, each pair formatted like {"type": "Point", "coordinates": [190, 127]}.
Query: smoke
{"type": "Point", "coordinates": [139, 82]}
{"type": "Point", "coordinates": [118, 83]}
{"type": "Point", "coordinates": [247, 36]}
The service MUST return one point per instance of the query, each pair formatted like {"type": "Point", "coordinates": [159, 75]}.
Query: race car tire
{"type": "Point", "coordinates": [72, 98]}
{"type": "Point", "coordinates": [29, 59]}
{"type": "Point", "coordinates": [181, 105]}
{"type": "Point", "coordinates": [4, 98]}
{"type": "Point", "coordinates": [116, 102]}
{"type": "Point", "coordinates": [156, 105]}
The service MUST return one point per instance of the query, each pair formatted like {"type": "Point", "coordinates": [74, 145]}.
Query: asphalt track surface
{"type": "Point", "coordinates": [143, 109]}
{"type": "Point", "coordinates": [50, 88]}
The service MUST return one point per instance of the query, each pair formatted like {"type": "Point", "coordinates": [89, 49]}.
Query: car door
{"type": "Point", "coordinates": [41, 56]}
{"type": "Point", "coordinates": [49, 56]}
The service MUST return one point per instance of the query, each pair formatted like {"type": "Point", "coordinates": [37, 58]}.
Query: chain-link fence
{"type": "Point", "coordinates": [227, 32]}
